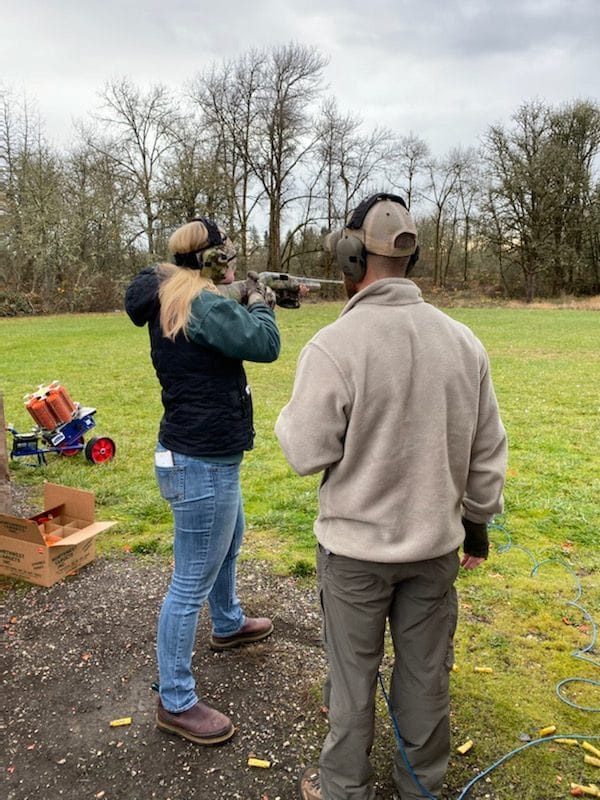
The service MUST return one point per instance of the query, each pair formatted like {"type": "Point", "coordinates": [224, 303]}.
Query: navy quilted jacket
{"type": "Point", "coordinates": [205, 395]}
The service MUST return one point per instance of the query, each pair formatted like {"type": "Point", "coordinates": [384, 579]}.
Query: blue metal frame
{"type": "Point", "coordinates": [68, 436]}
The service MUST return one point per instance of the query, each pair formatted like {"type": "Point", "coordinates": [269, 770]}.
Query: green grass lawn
{"type": "Point", "coordinates": [546, 368]}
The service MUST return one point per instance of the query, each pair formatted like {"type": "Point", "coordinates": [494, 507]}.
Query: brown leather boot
{"type": "Point", "coordinates": [253, 630]}
{"type": "Point", "coordinates": [200, 724]}
{"type": "Point", "coordinates": [310, 784]}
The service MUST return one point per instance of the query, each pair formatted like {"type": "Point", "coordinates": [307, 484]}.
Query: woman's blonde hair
{"type": "Point", "coordinates": [189, 238]}
{"type": "Point", "coordinates": [179, 285]}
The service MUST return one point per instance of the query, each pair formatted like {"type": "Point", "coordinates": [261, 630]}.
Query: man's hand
{"type": "Point", "coordinates": [471, 562]}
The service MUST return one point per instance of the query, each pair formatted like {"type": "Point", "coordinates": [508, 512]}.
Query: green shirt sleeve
{"type": "Point", "coordinates": [236, 331]}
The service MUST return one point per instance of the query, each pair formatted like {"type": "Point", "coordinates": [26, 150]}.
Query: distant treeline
{"type": "Point", "coordinates": [254, 143]}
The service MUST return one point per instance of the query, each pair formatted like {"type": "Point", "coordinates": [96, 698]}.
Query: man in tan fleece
{"type": "Point", "coordinates": [394, 403]}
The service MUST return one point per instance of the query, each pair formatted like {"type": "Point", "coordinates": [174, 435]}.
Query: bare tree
{"type": "Point", "coordinates": [31, 188]}
{"type": "Point", "coordinates": [519, 162]}
{"type": "Point", "coordinates": [284, 135]}
{"type": "Point", "coordinates": [226, 98]}
{"type": "Point", "coordinates": [593, 241]}
{"type": "Point", "coordinates": [138, 130]}
{"type": "Point", "coordinates": [351, 162]}
{"type": "Point", "coordinates": [97, 235]}
{"type": "Point", "coordinates": [192, 180]}
{"type": "Point", "coordinates": [413, 156]}
{"type": "Point", "coordinates": [441, 192]}
{"type": "Point", "coordinates": [572, 150]}
{"type": "Point", "coordinates": [468, 189]}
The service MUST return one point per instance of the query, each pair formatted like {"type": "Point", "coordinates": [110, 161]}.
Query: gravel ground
{"type": "Point", "coordinates": [80, 654]}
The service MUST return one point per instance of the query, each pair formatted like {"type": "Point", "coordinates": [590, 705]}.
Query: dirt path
{"type": "Point", "coordinates": [80, 654]}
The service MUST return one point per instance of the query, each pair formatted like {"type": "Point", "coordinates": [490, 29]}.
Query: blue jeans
{"type": "Point", "coordinates": [208, 514]}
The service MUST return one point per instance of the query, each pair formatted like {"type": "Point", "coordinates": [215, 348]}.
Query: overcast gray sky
{"type": "Point", "coordinates": [444, 69]}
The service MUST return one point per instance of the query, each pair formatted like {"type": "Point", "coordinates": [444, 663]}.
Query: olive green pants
{"type": "Point", "coordinates": [419, 601]}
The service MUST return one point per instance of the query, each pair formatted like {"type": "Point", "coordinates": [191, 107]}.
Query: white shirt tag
{"type": "Point", "coordinates": [163, 458]}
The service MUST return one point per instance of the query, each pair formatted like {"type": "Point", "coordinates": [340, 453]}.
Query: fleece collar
{"type": "Point", "coordinates": [387, 292]}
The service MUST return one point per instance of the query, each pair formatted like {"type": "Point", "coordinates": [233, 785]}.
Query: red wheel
{"type": "Point", "coordinates": [69, 450]}
{"type": "Point", "coordinates": [100, 449]}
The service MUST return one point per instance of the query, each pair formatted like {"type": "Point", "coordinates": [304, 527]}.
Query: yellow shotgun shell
{"type": "Point", "coordinates": [569, 742]}
{"type": "Point", "coordinates": [258, 762]}
{"type": "Point", "coordinates": [116, 723]}
{"type": "Point", "coordinates": [464, 748]}
{"type": "Point", "coordinates": [595, 762]}
{"type": "Point", "coordinates": [487, 670]}
{"type": "Point", "coordinates": [547, 730]}
{"type": "Point", "coordinates": [591, 749]}
{"type": "Point", "coordinates": [591, 790]}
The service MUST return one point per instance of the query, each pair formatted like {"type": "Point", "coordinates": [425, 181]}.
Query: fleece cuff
{"type": "Point", "coordinates": [476, 538]}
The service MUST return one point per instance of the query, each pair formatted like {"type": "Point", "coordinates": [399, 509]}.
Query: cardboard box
{"type": "Point", "coordinates": [45, 548]}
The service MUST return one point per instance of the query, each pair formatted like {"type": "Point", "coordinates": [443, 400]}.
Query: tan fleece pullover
{"type": "Point", "coordinates": [394, 402]}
